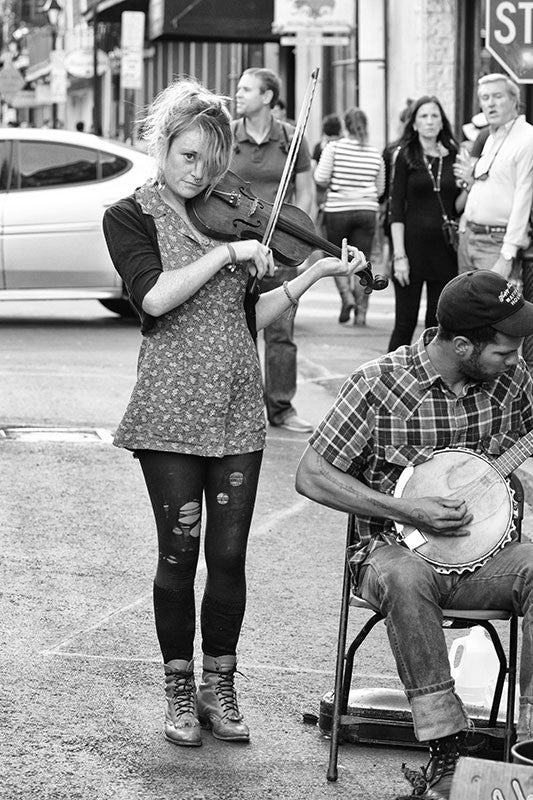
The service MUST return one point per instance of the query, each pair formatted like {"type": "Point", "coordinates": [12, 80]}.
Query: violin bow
{"type": "Point", "coordinates": [291, 158]}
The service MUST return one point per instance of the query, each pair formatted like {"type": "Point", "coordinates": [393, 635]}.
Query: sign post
{"type": "Point", "coordinates": [509, 38]}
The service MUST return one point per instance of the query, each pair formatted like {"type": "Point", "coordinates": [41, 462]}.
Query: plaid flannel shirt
{"type": "Point", "coordinates": [397, 411]}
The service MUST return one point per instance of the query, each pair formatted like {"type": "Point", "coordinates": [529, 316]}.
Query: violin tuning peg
{"type": "Point", "coordinates": [380, 282]}
{"type": "Point", "coordinates": [365, 277]}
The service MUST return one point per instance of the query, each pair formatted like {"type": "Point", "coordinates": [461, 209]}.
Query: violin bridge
{"type": "Point", "coordinates": [253, 208]}
{"type": "Point", "coordinates": [232, 198]}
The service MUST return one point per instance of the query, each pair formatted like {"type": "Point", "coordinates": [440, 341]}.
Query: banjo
{"type": "Point", "coordinates": [465, 475]}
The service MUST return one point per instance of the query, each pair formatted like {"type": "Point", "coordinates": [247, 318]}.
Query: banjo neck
{"type": "Point", "coordinates": [516, 455]}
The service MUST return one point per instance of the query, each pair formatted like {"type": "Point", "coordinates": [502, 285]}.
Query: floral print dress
{"type": "Point", "coordinates": [199, 388]}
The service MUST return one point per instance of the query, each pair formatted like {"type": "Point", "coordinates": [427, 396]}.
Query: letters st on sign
{"type": "Point", "coordinates": [509, 26]}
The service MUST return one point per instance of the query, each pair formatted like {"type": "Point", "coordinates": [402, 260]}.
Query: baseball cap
{"type": "Point", "coordinates": [482, 297]}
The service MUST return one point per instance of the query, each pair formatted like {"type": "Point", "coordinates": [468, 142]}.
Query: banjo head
{"type": "Point", "coordinates": [462, 475]}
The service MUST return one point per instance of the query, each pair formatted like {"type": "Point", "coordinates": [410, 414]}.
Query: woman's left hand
{"type": "Point", "coordinates": [257, 256]}
{"type": "Point", "coordinates": [351, 261]}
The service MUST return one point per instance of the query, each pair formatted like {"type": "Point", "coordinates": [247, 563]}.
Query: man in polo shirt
{"type": "Point", "coordinates": [499, 185]}
{"type": "Point", "coordinates": [461, 385]}
{"type": "Point", "coordinates": [261, 146]}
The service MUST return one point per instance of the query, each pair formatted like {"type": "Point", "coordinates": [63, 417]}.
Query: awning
{"type": "Point", "coordinates": [111, 10]}
{"type": "Point", "coordinates": [36, 71]}
{"type": "Point", "coordinates": [197, 20]}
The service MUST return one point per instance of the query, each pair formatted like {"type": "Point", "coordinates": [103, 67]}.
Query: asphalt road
{"type": "Point", "coordinates": [82, 684]}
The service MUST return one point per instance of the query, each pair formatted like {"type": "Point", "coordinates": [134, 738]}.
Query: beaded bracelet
{"type": "Point", "coordinates": [399, 258]}
{"type": "Point", "coordinates": [233, 258]}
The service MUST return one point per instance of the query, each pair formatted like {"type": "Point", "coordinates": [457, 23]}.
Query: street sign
{"type": "Point", "coordinates": [24, 99]}
{"type": "Point", "coordinates": [11, 81]}
{"type": "Point", "coordinates": [131, 46]}
{"type": "Point", "coordinates": [80, 63]}
{"type": "Point", "coordinates": [331, 16]}
{"type": "Point", "coordinates": [58, 77]}
{"type": "Point", "coordinates": [323, 41]}
{"type": "Point", "coordinates": [509, 36]}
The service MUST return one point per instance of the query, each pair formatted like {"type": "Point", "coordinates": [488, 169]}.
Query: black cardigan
{"type": "Point", "coordinates": [131, 237]}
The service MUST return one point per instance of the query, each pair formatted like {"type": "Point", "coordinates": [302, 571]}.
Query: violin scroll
{"type": "Point", "coordinates": [371, 282]}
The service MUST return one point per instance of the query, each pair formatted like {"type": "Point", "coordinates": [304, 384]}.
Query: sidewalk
{"type": "Point", "coordinates": [82, 680]}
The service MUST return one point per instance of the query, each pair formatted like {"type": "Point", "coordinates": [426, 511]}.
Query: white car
{"type": "Point", "coordinates": [54, 188]}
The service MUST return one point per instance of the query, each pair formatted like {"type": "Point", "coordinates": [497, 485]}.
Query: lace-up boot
{"type": "Point", "coordinates": [217, 700]}
{"type": "Point", "coordinates": [181, 716]}
{"type": "Point", "coordinates": [434, 782]}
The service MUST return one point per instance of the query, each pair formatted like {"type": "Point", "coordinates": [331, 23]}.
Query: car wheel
{"type": "Point", "coordinates": [121, 307]}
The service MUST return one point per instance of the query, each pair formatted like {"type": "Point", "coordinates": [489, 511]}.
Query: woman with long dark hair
{"type": "Point", "coordinates": [424, 190]}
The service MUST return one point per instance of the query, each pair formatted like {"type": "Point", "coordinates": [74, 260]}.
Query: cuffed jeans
{"type": "Point", "coordinates": [280, 356]}
{"type": "Point", "coordinates": [411, 595]}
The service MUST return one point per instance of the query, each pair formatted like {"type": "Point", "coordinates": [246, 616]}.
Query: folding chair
{"type": "Point", "coordinates": [463, 618]}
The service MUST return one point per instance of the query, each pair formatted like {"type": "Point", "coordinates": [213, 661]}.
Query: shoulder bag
{"type": "Point", "coordinates": [449, 227]}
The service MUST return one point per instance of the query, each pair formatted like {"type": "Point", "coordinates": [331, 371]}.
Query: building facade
{"type": "Point", "coordinates": [393, 50]}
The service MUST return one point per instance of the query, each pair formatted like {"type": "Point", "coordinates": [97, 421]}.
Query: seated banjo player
{"type": "Point", "coordinates": [463, 385]}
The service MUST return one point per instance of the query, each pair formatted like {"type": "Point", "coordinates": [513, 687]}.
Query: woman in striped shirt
{"type": "Point", "coordinates": [354, 175]}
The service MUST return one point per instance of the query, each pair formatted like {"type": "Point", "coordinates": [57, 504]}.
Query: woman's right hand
{"type": "Point", "coordinates": [463, 168]}
{"type": "Point", "coordinates": [260, 258]}
{"type": "Point", "coordinates": [400, 270]}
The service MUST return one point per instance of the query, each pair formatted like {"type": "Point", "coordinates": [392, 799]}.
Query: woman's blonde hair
{"type": "Point", "coordinates": [183, 105]}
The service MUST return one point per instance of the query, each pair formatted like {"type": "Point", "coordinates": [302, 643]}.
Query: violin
{"type": "Point", "coordinates": [232, 211]}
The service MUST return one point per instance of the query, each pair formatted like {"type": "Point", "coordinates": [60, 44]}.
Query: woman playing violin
{"type": "Point", "coordinates": [195, 420]}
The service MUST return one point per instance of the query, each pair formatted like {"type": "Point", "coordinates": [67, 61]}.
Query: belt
{"type": "Point", "coordinates": [486, 228]}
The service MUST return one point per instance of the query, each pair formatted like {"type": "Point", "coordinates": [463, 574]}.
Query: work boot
{"type": "Point", "coordinates": [181, 716]}
{"type": "Point", "coordinates": [217, 700]}
{"type": "Point", "coordinates": [434, 782]}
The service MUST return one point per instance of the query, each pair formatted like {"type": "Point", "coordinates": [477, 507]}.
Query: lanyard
{"type": "Point", "coordinates": [485, 174]}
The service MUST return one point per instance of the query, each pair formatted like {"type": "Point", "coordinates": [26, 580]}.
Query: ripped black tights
{"type": "Point", "coordinates": [176, 484]}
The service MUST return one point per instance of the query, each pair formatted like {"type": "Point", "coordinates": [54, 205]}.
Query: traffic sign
{"type": "Point", "coordinates": [11, 81]}
{"type": "Point", "coordinates": [509, 36]}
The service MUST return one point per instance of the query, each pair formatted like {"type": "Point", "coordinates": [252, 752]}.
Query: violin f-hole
{"type": "Point", "coordinates": [246, 223]}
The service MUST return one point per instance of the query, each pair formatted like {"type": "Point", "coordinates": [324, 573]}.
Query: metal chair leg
{"type": "Point", "coordinates": [332, 774]}
{"type": "Point", "coordinates": [510, 728]}
{"type": "Point", "coordinates": [503, 671]}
